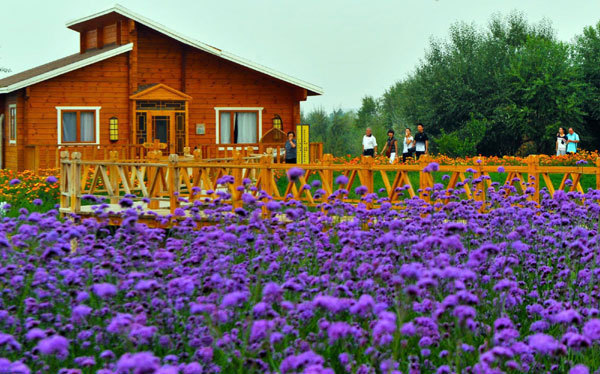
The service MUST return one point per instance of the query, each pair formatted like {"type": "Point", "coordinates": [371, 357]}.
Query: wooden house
{"type": "Point", "coordinates": [135, 81]}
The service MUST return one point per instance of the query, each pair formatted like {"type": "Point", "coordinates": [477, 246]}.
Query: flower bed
{"type": "Point", "coordinates": [35, 192]}
{"type": "Point", "coordinates": [582, 158]}
{"type": "Point", "coordinates": [380, 291]}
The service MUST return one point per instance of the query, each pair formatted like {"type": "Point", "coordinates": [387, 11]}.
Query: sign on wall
{"type": "Point", "coordinates": [303, 140]}
{"type": "Point", "coordinates": [200, 129]}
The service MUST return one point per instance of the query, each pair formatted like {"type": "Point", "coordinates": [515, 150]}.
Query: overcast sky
{"type": "Point", "coordinates": [350, 48]}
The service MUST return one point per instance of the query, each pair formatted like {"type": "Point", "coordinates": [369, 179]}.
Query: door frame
{"type": "Point", "coordinates": [161, 113]}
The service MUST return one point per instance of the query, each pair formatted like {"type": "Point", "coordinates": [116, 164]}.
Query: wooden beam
{"type": "Point", "coordinates": [183, 67]}
{"type": "Point", "coordinates": [100, 37]}
{"type": "Point", "coordinates": [132, 76]}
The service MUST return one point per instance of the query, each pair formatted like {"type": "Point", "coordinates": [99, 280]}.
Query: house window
{"type": "Point", "coordinates": [238, 125]}
{"type": "Point", "coordinates": [12, 124]}
{"type": "Point", "coordinates": [78, 125]}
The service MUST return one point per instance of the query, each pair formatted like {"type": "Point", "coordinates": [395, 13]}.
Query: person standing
{"type": "Point", "coordinates": [391, 145]}
{"type": "Point", "coordinates": [408, 145]}
{"type": "Point", "coordinates": [572, 140]}
{"type": "Point", "coordinates": [561, 142]}
{"type": "Point", "coordinates": [421, 141]}
{"type": "Point", "coordinates": [369, 143]}
{"type": "Point", "coordinates": [290, 148]}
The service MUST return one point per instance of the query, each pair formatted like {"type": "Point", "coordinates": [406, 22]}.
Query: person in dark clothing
{"type": "Point", "coordinates": [391, 146]}
{"type": "Point", "coordinates": [421, 141]}
{"type": "Point", "coordinates": [290, 148]}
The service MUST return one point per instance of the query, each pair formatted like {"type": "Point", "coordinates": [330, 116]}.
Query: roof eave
{"type": "Point", "coordinates": [65, 69]}
{"type": "Point", "coordinates": [316, 90]}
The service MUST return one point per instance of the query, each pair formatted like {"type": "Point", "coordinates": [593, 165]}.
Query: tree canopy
{"type": "Point", "coordinates": [501, 89]}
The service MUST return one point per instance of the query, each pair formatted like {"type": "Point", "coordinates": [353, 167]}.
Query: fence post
{"type": "Point", "coordinates": [367, 176]}
{"type": "Point", "coordinates": [598, 173]}
{"type": "Point", "coordinates": [65, 181]}
{"type": "Point", "coordinates": [533, 176]}
{"type": "Point", "coordinates": [152, 174]}
{"type": "Point", "coordinates": [236, 173]}
{"type": "Point", "coordinates": [75, 182]}
{"type": "Point", "coordinates": [266, 179]}
{"type": "Point", "coordinates": [479, 192]}
{"type": "Point", "coordinates": [113, 176]}
{"type": "Point", "coordinates": [425, 179]}
{"type": "Point", "coordinates": [173, 182]}
{"type": "Point", "coordinates": [327, 182]}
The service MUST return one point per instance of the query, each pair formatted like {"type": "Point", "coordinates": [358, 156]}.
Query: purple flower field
{"type": "Point", "coordinates": [412, 288]}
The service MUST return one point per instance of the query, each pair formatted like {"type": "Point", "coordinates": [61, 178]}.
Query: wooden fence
{"type": "Point", "coordinates": [48, 156]}
{"type": "Point", "coordinates": [167, 185]}
{"type": "Point", "coordinates": [277, 149]}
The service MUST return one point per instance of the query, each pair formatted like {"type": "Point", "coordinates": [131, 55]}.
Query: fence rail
{"type": "Point", "coordinates": [169, 184]}
{"type": "Point", "coordinates": [47, 156]}
{"type": "Point", "coordinates": [44, 156]}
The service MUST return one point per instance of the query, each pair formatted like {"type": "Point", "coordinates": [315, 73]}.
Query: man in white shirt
{"type": "Point", "coordinates": [369, 143]}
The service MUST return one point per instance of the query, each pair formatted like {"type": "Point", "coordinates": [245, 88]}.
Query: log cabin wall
{"type": "Point", "coordinates": [14, 153]}
{"type": "Point", "coordinates": [103, 33]}
{"type": "Point", "coordinates": [102, 84]}
{"type": "Point", "coordinates": [213, 82]}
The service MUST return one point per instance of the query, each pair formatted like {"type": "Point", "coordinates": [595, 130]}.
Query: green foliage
{"type": "Point", "coordinates": [462, 142]}
{"type": "Point", "coordinates": [514, 77]}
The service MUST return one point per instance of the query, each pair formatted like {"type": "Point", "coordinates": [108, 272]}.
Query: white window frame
{"type": "Point", "coordinates": [233, 109]}
{"type": "Point", "coordinates": [59, 110]}
{"type": "Point", "coordinates": [10, 120]}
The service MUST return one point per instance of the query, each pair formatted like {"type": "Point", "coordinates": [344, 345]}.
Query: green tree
{"type": "Point", "coordinates": [587, 58]}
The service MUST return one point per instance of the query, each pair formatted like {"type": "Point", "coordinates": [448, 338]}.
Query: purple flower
{"type": "Point", "coordinates": [273, 206]}
{"type": "Point", "coordinates": [104, 290]}
{"type": "Point", "coordinates": [361, 190]}
{"type": "Point", "coordinates": [80, 312]}
{"type": "Point", "coordinates": [433, 166]}
{"type": "Point", "coordinates": [51, 179]}
{"type": "Point", "coordinates": [126, 202]}
{"type": "Point", "coordinates": [295, 173]}
{"type": "Point", "coordinates": [35, 334]}
{"type": "Point", "coordinates": [579, 369]}
{"type": "Point", "coordinates": [501, 169]}
{"type": "Point", "coordinates": [544, 344]}
{"type": "Point", "coordinates": [55, 345]}
{"type": "Point", "coordinates": [141, 362]}
{"type": "Point", "coordinates": [14, 182]}
{"type": "Point", "coordinates": [234, 299]}
{"type": "Point", "coordinates": [9, 342]}
{"type": "Point", "coordinates": [338, 330]}
{"type": "Point", "coordinates": [16, 367]}
{"type": "Point", "coordinates": [591, 329]}
{"type": "Point", "coordinates": [341, 180]}
{"type": "Point", "coordinates": [37, 202]}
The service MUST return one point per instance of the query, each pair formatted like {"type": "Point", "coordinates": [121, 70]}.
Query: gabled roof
{"type": "Point", "coordinates": [61, 66]}
{"type": "Point", "coordinates": [118, 9]}
{"type": "Point", "coordinates": [159, 92]}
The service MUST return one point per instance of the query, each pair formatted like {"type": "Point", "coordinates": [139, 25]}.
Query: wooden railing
{"type": "Point", "coordinates": [277, 149]}
{"type": "Point", "coordinates": [168, 185]}
{"type": "Point", "coordinates": [45, 156]}
{"type": "Point", "coordinates": [42, 156]}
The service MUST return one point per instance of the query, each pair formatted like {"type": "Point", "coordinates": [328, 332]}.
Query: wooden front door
{"type": "Point", "coordinates": [161, 130]}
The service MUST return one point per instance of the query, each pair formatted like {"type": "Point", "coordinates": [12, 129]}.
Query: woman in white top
{"type": "Point", "coordinates": [409, 145]}
{"type": "Point", "coordinates": [561, 142]}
